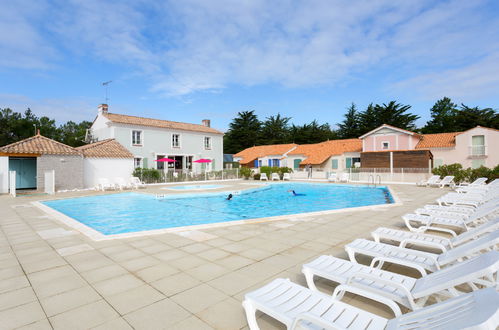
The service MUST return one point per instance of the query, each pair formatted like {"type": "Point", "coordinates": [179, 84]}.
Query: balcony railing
{"type": "Point", "coordinates": [477, 151]}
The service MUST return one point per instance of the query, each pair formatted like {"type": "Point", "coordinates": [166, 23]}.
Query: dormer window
{"type": "Point", "coordinates": [137, 138]}
{"type": "Point", "coordinates": [385, 145]}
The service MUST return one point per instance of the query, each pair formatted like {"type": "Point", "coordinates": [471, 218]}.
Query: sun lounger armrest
{"type": "Point", "coordinates": [404, 242]}
{"type": "Point", "coordinates": [342, 288]}
{"type": "Point", "coordinates": [379, 280]}
{"type": "Point", "coordinates": [443, 230]}
{"type": "Point", "coordinates": [315, 319]}
{"type": "Point", "coordinates": [382, 260]}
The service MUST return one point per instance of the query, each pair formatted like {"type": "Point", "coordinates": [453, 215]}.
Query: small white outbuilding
{"type": "Point", "coordinates": [105, 159]}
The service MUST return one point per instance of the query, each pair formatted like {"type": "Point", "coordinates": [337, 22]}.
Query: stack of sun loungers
{"type": "Point", "coordinates": [456, 288]}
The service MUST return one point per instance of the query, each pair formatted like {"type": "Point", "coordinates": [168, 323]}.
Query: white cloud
{"type": "Point", "coordinates": [62, 110]}
{"type": "Point", "coordinates": [187, 46]}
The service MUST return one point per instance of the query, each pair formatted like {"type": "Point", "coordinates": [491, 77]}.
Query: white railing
{"type": "Point", "coordinates": [477, 150]}
{"type": "Point", "coordinates": [159, 176]}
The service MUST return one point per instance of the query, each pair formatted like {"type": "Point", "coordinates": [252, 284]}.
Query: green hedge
{"type": "Point", "coordinates": [274, 169]}
{"type": "Point", "coordinates": [468, 174]}
{"type": "Point", "coordinates": [147, 175]}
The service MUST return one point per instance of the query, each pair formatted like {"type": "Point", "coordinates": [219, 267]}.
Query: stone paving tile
{"type": "Point", "coordinates": [160, 315]}
{"type": "Point", "coordinates": [234, 262]}
{"type": "Point", "coordinates": [213, 254]}
{"type": "Point", "coordinates": [234, 317]}
{"type": "Point", "coordinates": [117, 284]}
{"type": "Point", "coordinates": [116, 324]}
{"type": "Point", "coordinates": [154, 273]}
{"type": "Point", "coordinates": [15, 298]}
{"type": "Point", "coordinates": [38, 325]}
{"type": "Point", "coordinates": [21, 315]}
{"type": "Point", "coordinates": [199, 298]}
{"type": "Point", "coordinates": [190, 323]}
{"type": "Point", "coordinates": [133, 299]}
{"type": "Point", "coordinates": [207, 271]}
{"type": "Point", "coordinates": [13, 283]}
{"type": "Point", "coordinates": [137, 264]}
{"type": "Point", "coordinates": [176, 283]}
{"type": "Point", "coordinates": [85, 316]}
{"type": "Point", "coordinates": [69, 300]}
{"type": "Point", "coordinates": [75, 249]}
{"type": "Point", "coordinates": [103, 273]}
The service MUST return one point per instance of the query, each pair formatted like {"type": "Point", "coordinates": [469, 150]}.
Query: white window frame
{"type": "Point", "coordinates": [178, 140]}
{"type": "Point", "coordinates": [135, 164]}
{"type": "Point", "coordinates": [141, 138]}
{"type": "Point", "coordinates": [387, 147]}
{"type": "Point", "coordinates": [207, 147]}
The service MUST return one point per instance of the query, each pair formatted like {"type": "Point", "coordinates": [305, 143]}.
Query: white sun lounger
{"type": "Point", "coordinates": [446, 181]}
{"type": "Point", "coordinates": [403, 237]}
{"type": "Point", "coordinates": [471, 199]}
{"type": "Point", "coordinates": [275, 177]}
{"type": "Point", "coordinates": [286, 177]}
{"type": "Point", "coordinates": [263, 177]}
{"type": "Point", "coordinates": [297, 306]}
{"type": "Point", "coordinates": [136, 183]}
{"type": "Point", "coordinates": [477, 182]}
{"type": "Point", "coordinates": [407, 291]}
{"type": "Point", "coordinates": [419, 260]}
{"type": "Point", "coordinates": [432, 180]}
{"type": "Point", "coordinates": [104, 184]}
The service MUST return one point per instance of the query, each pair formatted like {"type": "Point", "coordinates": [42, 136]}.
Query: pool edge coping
{"type": "Point", "coordinates": [97, 236]}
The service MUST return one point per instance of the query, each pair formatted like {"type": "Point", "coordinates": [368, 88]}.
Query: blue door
{"type": "Point", "coordinates": [25, 172]}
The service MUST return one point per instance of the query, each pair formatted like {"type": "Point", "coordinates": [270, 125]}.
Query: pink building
{"type": "Point", "coordinates": [472, 148]}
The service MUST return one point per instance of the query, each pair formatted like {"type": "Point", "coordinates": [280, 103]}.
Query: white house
{"type": "Point", "coordinates": [152, 139]}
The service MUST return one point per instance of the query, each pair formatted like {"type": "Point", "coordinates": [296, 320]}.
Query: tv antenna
{"type": "Point", "coordinates": [106, 84]}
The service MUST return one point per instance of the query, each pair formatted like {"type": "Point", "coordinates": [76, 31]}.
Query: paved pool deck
{"type": "Point", "coordinates": [54, 277]}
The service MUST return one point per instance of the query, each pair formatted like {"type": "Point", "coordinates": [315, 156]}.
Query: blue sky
{"type": "Point", "coordinates": [189, 60]}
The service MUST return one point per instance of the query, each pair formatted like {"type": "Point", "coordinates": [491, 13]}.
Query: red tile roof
{"type": "Point", "coordinates": [248, 155]}
{"type": "Point", "coordinates": [133, 120]}
{"type": "Point", "coordinates": [39, 145]}
{"type": "Point", "coordinates": [318, 153]}
{"type": "Point", "coordinates": [438, 140]}
{"type": "Point", "coordinates": [109, 148]}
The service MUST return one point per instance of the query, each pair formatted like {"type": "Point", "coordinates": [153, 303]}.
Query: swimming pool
{"type": "Point", "coordinates": [196, 187]}
{"type": "Point", "coordinates": [134, 212]}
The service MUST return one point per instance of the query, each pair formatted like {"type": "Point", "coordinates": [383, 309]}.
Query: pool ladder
{"type": "Point", "coordinates": [374, 180]}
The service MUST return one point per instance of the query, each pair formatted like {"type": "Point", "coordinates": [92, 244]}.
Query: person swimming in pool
{"type": "Point", "coordinates": [229, 197]}
{"type": "Point", "coordinates": [295, 194]}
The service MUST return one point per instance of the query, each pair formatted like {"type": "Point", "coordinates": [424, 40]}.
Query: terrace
{"type": "Point", "coordinates": [55, 277]}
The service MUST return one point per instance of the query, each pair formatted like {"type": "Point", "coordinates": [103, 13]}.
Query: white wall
{"type": "Point", "coordinates": [110, 168]}
{"type": "Point", "coordinates": [4, 175]}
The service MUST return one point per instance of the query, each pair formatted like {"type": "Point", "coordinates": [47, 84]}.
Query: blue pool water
{"type": "Point", "coordinates": [133, 212]}
{"type": "Point", "coordinates": [195, 187]}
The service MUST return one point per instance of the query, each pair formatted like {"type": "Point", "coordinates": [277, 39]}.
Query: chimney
{"type": "Point", "coordinates": [102, 109]}
{"type": "Point", "coordinates": [206, 122]}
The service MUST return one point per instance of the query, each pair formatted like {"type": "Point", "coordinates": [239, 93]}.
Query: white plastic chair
{"type": "Point", "coordinates": [333, 177]}
{"type": "Point", "coordinates": [477, 183]}
{"type": "Point", "coordinates": [275, 177]}
{"type": "Point", "coordinates": [263, 177]}
{"type": "Point", "coordinates": [297, 306]}
{"type": "Point", "coordinates": [407, 291]}
{"type": "Point", "coordinates": [286, 177]}
{"type": "Point", "coordinates": [104, 184]}
{"type": "Point", "coordinates": [419, 260]}
{"type": "Point", "coordinates": [345, 177]}
{"type": "Point", "coordinates": [403, 237]}
{"type": "Point", "coordinates": [120, 183]}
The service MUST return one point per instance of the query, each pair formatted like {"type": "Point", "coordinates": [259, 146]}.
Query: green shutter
{"type": "Point", "coordinates": [334, 163]}
{"type": "Point", "coordinates": [349, 163]}
{"type": "Point", "coordinates": [296, 163]}
{"type": "Point", "coordinates": [144, 162]}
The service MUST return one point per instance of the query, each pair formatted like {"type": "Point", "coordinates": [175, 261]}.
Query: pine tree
{"type": "Point", "coordinates": [244, 132]}
{"type": "Point", "coordinates": [443, 115]}
{"type": "Point", "coordinates": [350, 127]}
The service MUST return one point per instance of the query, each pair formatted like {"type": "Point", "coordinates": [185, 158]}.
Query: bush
{"type": "Point", "coordinates": [256, 176]}
{"type": "Point", "coordinates": [147, 175]}
{"type": "Point", "coordinates": [468, 174]}
{"type": "Point", "coordinates": [245, 172]}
